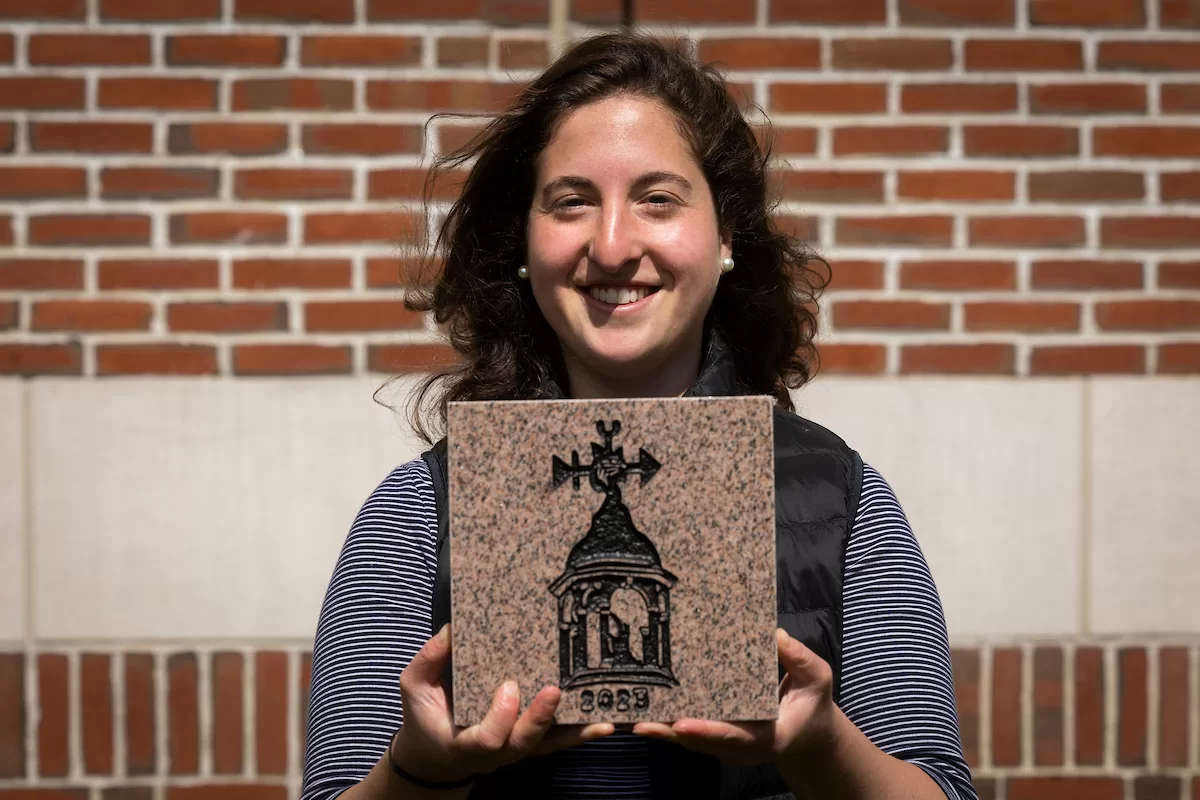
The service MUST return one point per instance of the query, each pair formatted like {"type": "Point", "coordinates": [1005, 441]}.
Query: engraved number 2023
{"type": "Point", "coordinates": [589, 701]}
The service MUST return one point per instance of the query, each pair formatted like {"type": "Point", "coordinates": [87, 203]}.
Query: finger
{"type": "Point", "coordinates": [655, 730]}
{"type": "Point", "coordinates": [428, 664]}
{"type": "Point", "coordinates": [536, 720]}
{"type": "Point", "coordinates": [564, 736]}
{"type": "Point", "coordinates": [492, 732]}
{"type": "Point", "coordinates": [737, 735]}
{"type": "Point", "coordinates": [802, 664]}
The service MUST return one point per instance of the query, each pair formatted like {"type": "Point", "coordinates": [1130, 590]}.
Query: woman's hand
{"type": "Point", "coordinates": [805, 726]}
{"type": "Point", "coordinates": [431, 747]}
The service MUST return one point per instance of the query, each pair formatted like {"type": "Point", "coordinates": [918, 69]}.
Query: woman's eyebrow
{"type": "Point", "coordinates": [662, 176]}
{"type": "Point", "coordinates": [566, 182]}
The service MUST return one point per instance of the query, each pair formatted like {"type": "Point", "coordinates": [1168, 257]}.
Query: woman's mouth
{"type": "Point", "coordinates": [620, 295]}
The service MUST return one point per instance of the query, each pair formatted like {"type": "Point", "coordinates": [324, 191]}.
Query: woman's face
{"type": "Point", "coordinates": [624, 251]}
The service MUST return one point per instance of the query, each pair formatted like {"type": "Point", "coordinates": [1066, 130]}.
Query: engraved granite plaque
{"type": "Point", "coordinates": [623, 550]}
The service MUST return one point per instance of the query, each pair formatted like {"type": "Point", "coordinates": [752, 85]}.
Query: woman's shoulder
{"type": "Point", "coordinates": [795, 433]}
{"type": "Point", "coordinates": [404, 498]}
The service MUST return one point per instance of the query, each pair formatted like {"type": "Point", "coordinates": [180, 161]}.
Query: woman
{"type": "Point", "coordinates": [613, 239]}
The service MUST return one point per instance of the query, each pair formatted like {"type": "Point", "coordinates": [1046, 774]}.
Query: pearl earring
{"type": "Point", "coordinates": [726, 264]}
{"type": "Point", "coordinates": [523, 272]}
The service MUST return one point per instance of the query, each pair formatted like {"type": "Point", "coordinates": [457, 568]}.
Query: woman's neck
{"type": "Point", "coordinates": [671, 379]}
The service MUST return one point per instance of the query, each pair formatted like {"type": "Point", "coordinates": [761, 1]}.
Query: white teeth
{"type": "Point", "coordinates": [618, 297]}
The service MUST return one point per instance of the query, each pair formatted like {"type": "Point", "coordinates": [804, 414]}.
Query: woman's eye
{"type": "Point", "coordinates": [660, 200]}
{"type": "Point", "coordinates": [570, 202]}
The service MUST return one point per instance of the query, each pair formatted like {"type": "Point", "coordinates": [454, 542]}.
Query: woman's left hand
{"type": "Point", "coordinates": [805, 725]}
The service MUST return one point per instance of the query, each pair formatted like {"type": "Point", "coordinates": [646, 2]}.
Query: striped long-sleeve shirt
{"type": "Point", "coordinates": [896, 680]}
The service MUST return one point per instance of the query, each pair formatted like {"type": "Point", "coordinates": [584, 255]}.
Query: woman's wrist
{"type": "Point", "coordinates": [422, 772]}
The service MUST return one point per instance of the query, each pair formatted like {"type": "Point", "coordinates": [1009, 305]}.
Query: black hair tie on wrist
{"type": "Point", "coordinates": [424, 783]}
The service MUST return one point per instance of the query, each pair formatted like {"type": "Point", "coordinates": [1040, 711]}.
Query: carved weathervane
{"type": "Point", "coordinates": [613, 598]}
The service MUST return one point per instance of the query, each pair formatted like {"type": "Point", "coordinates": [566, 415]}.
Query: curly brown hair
{"type": "Point", "coordinates": [765, 309]}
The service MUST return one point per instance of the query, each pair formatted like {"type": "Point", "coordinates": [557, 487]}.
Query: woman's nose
{"type": "Point", "coordinates": [615, 240]}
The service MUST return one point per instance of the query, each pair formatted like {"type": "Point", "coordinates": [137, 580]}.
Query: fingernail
{"type": "Point", "coordinates": [509, 690]}
{"type": "Point", "coordinates": [443, 633]}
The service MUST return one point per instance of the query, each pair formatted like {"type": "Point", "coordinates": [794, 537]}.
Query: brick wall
{"type": "Point", "coordinates": [223, 187]}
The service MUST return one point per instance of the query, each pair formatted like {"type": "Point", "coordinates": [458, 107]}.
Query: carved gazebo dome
{"type": "Point", "coordinates": [613, 540]}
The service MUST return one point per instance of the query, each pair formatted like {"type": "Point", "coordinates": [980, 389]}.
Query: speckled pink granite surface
{"type": "Point", "coordinates": [652, 600]}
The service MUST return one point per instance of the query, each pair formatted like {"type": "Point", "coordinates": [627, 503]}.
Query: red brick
{"type": "Point", "coordinates": [38, 182]}
{"type": "Point", "coordinates": [1066, 789]}
{"type": "Point", "coordinates": [848, 274]}
{"type": "Point", "coordinates": [10, 319]}
{"type": "Point", "coordinates": [832, 186]}
{"type": "Point", "coordinates": [1088, 98]}
{"type": "Point", "coordinates": [97, 230]}
{"type": "Point", "coordinates": [156, 359]}
{"type": "Point", "coordinates": [452, 137]}
{"type": "Point", "coordinates": [360, 51]}
{"type": "Point", "coordinates": [300, 11]}
{"type": "Point", "coordinates": [293, 184]}
{"type": "Point", "coordinates": [939, 98]}
{"type": "Point", "coordinates": [96, 703]}
{"type": "Point", "coordinates": [169, 274]}
{"type": "Point", "coordinates": [1182, 358]}
{"type": "Point", "coordinates": [41, 93]}
{"type": "Point", "coordinates": [851, 359]}
{"type": "Point", "coordinates": [158, 183]}
{"type": "Point", "coordinates": [172, 94]}
{"type": "Point", "coordinates": [362, 139]}
{"type": "Point", "coordinates": [829, 12]}
{"type": "Point", "coordinates": [1148, 315]}
{"type": "Point", "coordinates": [523, 54]}
{"type": "Point", "coordinates": [233, 791]}
{"type": "Point", "coordinates": [233, 51]}
{"type": "Point", "coordinates": [183, 707]}
{"type": "Point", "coordinates": [596, 12]}
{"type": "Point", "coordinates": [1028, 55]}
{"type": "Point", "coordinates": [232, 138]}
{"type": "Point", "coordinates": [7, 48]}
{"type": "Point", "coordinates": [1179, 14]}
{"type": "Point", "coordinates": [408, 358]}
{"type": "Point", "coordinates": [91, 137]}
{"type": "Point", "coordinates": [1020, 141]}
{"type": "Point", "coordinates": [890, 315]}
{"type": "Point", "coordinates": [1089, 695]}
{"type": "Point", "coordinates": [967, 700]}
{"type": "Point", "coordinates": [158, 11]}
{"type": "Point", "coordinates": [266, 273]}
{"type": "Point", "coordinates": [44, 794]}
{"type": "Point", "coordinates": [1156, 56]}
{"type": "Point", "coordinates": [271, 712]}
{"type": "Point", "coordinates": [62, 49]}
{"type": "Point", "coordinates": [418, 95]}
{"type": "Point", "coordinates": [1147, 141]}
{"type": "Point", "coordinates": [933, 231]}
{"type": "Point", "coordinates": [8, 135]}
{"type": "Point", "coordinates": [1094, 13]}
{"type": "Point", "coordinates": [299, 94]}
{"type": "Point", "coordinates": [1006, 707]}
{"type": "Point", "coordinates": [1179, 275]}
{"type": "Point", "coordinates": [91, 315]}
{"type": "Point", "coordinates": [216, 227]}
{"type": "Point", "coordinates": [26, 274]}
{"type": "Point", "coordinates": [794, 141]}
{"type": "Point", "coordinates": [828, 98]}
{"type": "Point", "coordinates": [893, 54]}
{"type": "Point", "coordinates": [351, 228]}
{"type": "Point", "coordinates": [1175, 187]}
{"type": "Point", "coordinates": [694, 11]}
{"type": "Point", "coordinates": [1086, 186]}
{"type": "Point", "coordinates": [53, 703]}
{"type": "Point", "coordinates": [1157, 787]}
{"type": "Point", "coordinates": [43, 9]}
{"type": "Point", "coordinates": [959, 276]}
{"type": "Point", "coordinates": [1081, 274]}
{"type": "Point", "coordinates": [1153, 232]}
{"type": "Point", "coordinates": [1026, 231]}
{"type": "Point", "coordinates": [463, 51]}
{"type": "Point", "coordinates": [387, 273]}
{"type": "Point", "coordinates": [140, 722]}
{"type": "Point", "coordinates": [1132, 688]}
{"type": "Point", "coordinates": [501, 12]}
{"type": "Point", "coordinates": [762, 52]}
{"type": "Point", "coordinates": [958, 359]}
{"type": "Point", "coordinates": [1048, 714]}
{"type": "Point", "coordinates": [1179, 98]}
{"type": "Point", "coordinates": [7, 236]}
{"type": "Point", "coordinates": [305, 692]}
{"type": "Point", "coordinates": [12, 712]}
{"type": "Point", "coordinates": [33, 359]}
{"type": "Point", "coordinates": [1088, 360]}
{"type": "Point", "coordinates": [955, 13]}
{"type": "Point", "coordinates": [960, 186]}
{"type": "Point", "coordinates": [127, 793]}
{"type": "Point", "coordinates": [360, 315]}
{"type": "Point", "coordinates": [895, 140]}
{"type": "Point", "coordinates": [227, 713]}
{"type": "Point", "coordinates": [227, 317]}
{"type": "Point", "coordinates": [1173, 705]}
{"type": "Point", "coordinates": [291, 359]}
{"type": "Point", "coordinates": [1022, 317]}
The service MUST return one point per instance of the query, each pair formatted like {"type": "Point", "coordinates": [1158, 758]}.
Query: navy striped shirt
{"type": "Point", "coordinates": [896, 680]}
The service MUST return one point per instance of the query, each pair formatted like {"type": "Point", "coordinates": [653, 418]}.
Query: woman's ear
{"type": "Point", "coordinates": [726, 244]}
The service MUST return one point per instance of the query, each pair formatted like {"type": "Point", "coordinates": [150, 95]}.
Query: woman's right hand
{"type": "Point", "coordinates": [430, 746]}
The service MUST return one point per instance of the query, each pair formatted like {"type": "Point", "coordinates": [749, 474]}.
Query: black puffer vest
{"type": "Point", "coordinates": [817, 483]}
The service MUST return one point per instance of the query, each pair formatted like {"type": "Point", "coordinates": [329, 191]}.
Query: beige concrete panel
{"type": "Point", "coordinates": [988, 473]}
{"type": "Point", "coordinates": [1145, 501]}
{"type": "Point", "coordinates": [199, 508]}
{"type": "Point", "coordinates": [12, 511]}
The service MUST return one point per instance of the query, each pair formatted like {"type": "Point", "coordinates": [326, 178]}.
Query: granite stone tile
{"type": "Point", "coordinates": [623, 550]}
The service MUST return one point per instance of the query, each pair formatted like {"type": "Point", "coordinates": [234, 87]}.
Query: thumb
{"type": "Point", "coordinates": [805, 666]}
{"type": "Point", "coordinates": [428, 664]}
